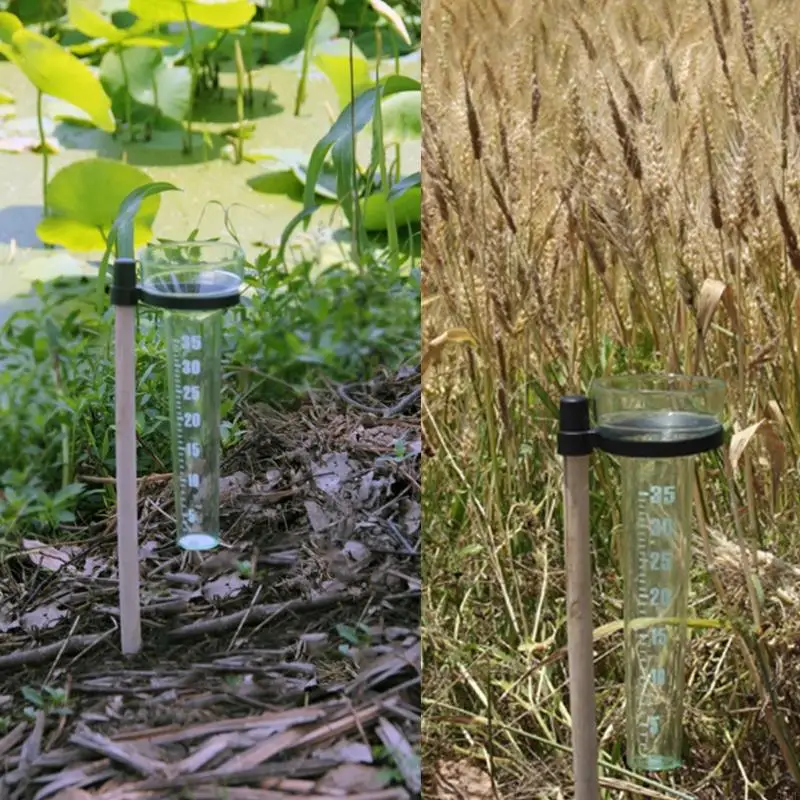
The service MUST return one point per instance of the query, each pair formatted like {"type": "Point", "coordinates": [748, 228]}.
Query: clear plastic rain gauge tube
{"type": "Point", "coordinates": [656, 426]}
{"type": "Point", "coordinates": [194, 282]}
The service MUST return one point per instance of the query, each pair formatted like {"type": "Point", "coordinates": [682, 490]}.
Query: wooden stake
{"type": "Point", "coordinates": [127, 503]}
{"type": "Point", "coordinates": [580, 645]}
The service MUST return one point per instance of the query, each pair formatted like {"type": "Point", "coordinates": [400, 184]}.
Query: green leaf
{"type": "Point", "coordinates": [55, 71]}
{"type": "Point", "coordinates": [401, 116]}
{"type": "Point", "coordinates": [90, 22]}
{"type": "Point", "coordinates": [62, 111]}
{"type": "Point", "coordinates": [80, 217]}
{"type": "Point", "coordinates": [344, 129]}
{"type": "Point", "coordinates": [290, 228]}
{"type": "Point", "coordinates": [407, 207]}
{"type": "Point", "coordinates": [9, 25]}
{"type": "Point", "coordinates": [87, 17]}
{"type": "Point", "coordinates": [333, 59]}
{"type": "Point", "coordinates": [281, 28]}
{"type": "Point", "coordinates": [279, 163]}
{"type": "Point", "coordinates": [151, 81]}
{"type": "Point", "coordinates": [130, 208]}
{"type": "Point", "coordinates": [123, 229]}
{"type": "Point", "coordinates": [6, 98]}
{"type": "Point", "coordinates": [221, 14]}
{"type": "Point", "coordinates": [283, 47]}
{"type": "Point", "coordinates": [32, 695]}
{"type": "Point", "coordinates": [404, 185]}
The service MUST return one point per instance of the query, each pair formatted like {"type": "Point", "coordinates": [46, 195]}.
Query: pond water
{"type": "Point", "coordinates": [203, 176]}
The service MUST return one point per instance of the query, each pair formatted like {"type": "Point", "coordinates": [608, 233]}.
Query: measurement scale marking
{"type": "Point", "coordinates": [189, 424]}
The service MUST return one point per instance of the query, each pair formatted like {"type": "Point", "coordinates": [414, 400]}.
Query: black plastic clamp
{"type": "Point", "coordinates": [123, 290]}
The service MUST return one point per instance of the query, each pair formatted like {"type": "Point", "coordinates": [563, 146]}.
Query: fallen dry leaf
{"type": "Point", "coordinates": [47, 557]}
{"type": "Point", "coordinates": [317, 518]}
{"type": "Point", "coordinates": [356, 551]}
{"type": "Point", "coordinates": [351, 752]}
{"type": "Point", "coordinates": [353, 778]}
{"type": "Point", "coordinates": [224, 587]}
{"type": "Point", "coordinates": [333, 470]}
{"type": "Point", "coordinates": [42, 618]}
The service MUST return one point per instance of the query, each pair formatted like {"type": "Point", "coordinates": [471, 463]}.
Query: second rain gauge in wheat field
{"type": "Point", "coordinates": [654, 426]}
{"type": "Point", "coordinates": [193, 283]}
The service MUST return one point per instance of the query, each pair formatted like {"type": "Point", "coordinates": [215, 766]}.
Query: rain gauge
{"type": "Point", "coordinates": [192, 283]}
{"type": "Point", "coordinates": [654, 426]}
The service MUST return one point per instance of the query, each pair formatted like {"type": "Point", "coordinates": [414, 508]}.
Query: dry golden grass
{"type": "Point", "coordinates": [608, 187]}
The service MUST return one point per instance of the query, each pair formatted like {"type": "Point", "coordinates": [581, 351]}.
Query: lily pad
{"type": "Point", "coordinates": [222, 14]}
{"type": "Point", "coordinates": [333, 59]}
{"type": "Point", "coordinates": [80, 217]}
{"type": "Point", "coordinates": [285, 163]}
{"type": "Point", "coordinates": [401, 116]}
{"type": "Point", "coordinates": [23, 267]}
{"type": "Point", "coordinates": [405, 198]}
{"type": "Point", "coordinates": [55, 71]}
{"type": "Point", "coordinates": [150, 80]}
{"type": "Point", "coordinates": [349, 123]}
{"type": "Point", "coordinates": [62, 111]}
{"type": "Point", "coordinates": [86, 16]}
{"type": "Point", "coordinates": [286, 46]}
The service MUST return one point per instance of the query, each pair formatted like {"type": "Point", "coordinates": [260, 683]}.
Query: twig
{"type": "Point", "coordinates": [256, 614]}
{"type": "Point", "coordinates": [384, 411]}
{"type": "Point", "coordinates": [40, 655]}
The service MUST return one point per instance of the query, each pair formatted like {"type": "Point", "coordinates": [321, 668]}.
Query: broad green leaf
{"type": "Point", "coordinates": [350, 122]}
{"type": "Point", "coordinates": [90, 22]}
{"type": "Point", "coordinates": [61, 110]}
{"type": "Point", "coordinates": [333, 59]}
{"type": "Point", "coordinates": [285, 47]}
{"type": "Point", "coordinates": [80, 217]}
{"type": "Point", "coordinates": [56, 72]}
{"type": "Point", "coordinates": [151, 81]}
{"type": "Point", "coordinates": [280, 163]}
{"type": "Point", "coordinates": [404, 185]}
{"type": "Point", "coordinates": [78, 237]}
{"type": "Point", "coordinates": [407, 207]}
{"type": "Point", "coordinates": [222, 14]}
{"type": "Point", "coordinates": [85, 16]}
{"type": "Point", "coordinates": [401, 116]}
{"type": "Point", "coordinates": [9, 25]}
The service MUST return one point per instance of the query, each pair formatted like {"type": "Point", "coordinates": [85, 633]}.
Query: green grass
{"type": "Point", "coordinates": [295, 332]}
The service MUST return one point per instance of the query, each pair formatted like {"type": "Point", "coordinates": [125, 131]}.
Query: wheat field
{"type": "Point", "coordinates": [609, 187]}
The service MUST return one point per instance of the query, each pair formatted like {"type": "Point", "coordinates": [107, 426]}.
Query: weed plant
{"type": "Point", "coordinates": [294, 332]}
{"type": "Point", "coordinates": [609, 188]}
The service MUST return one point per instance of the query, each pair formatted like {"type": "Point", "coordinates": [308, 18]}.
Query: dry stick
{"type": "Point", "coordinates": [580, 645]}
{"type": "Point", "coordinates": [127, 505]}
